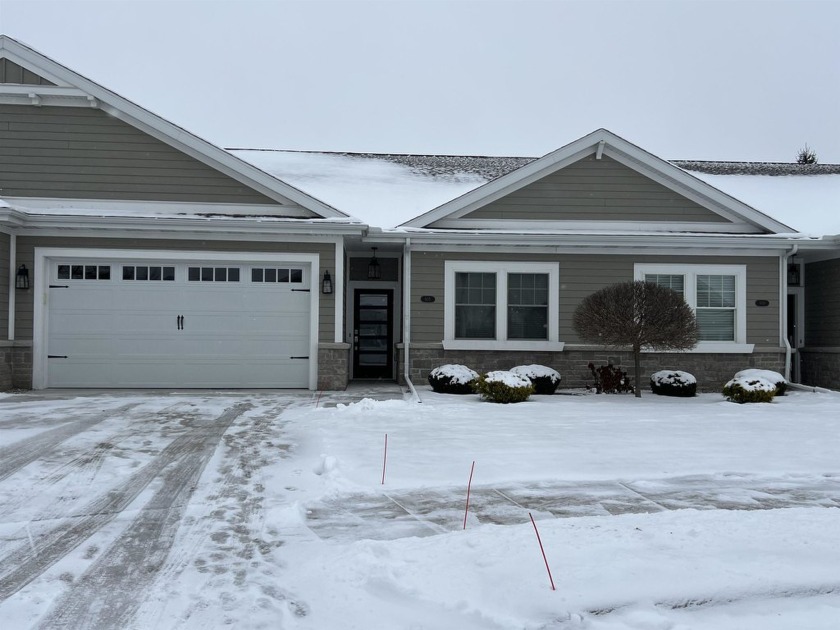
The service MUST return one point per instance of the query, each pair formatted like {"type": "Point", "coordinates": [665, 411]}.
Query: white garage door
{"type": "Point", "coordinates": [123, 323]}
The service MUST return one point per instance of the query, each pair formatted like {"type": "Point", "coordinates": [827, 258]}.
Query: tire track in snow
{"type": "Point", "coordinates": [26, 451]}
{"type": "Point", "coordinates": [79, 472]}
{"type": "Point", "coordinates": [223, 544]}
{"type": "Point", "coordinates": [28, 561]}
{"type": "Point", "coordinates": [132, 562]}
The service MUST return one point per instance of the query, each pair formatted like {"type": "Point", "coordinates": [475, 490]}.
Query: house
{"type": "Point", "coordinates": [154, 259]}
{"type": "Point", "coordinates": [146, 257]}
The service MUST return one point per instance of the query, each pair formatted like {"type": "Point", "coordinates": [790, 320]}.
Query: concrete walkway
{"type": "Point", "coordinates": [390, 515]}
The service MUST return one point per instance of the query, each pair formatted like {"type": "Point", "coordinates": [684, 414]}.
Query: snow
{"type": "Point", "coordinates": [511, 379]}
{"type": "Point", "coordinates": [752, 384]}
{"type": "Point", "coordinates": [767, 375]}
{"type": "Point", "coordinates": [655, 513]}
{"type": "Point", "coordinates": [807, 203]}
{"type": "Point", "coordinates": [673, 377]}
{"type": "Point", "coordinates": [458, 374]}
{"type": "Point", "coordinates": [379, 192]}
{"type": "Point", "coordinates": [536, 371]}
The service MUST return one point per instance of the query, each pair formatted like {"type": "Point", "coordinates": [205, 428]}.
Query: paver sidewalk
{"type": "Point", "coordinates": [391, 515]}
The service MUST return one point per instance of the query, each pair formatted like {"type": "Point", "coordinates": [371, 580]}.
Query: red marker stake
{"type": "Point", "coordinates": [550, 579]}
{"type": "Point", "coordinates": [469, 483]}
{"type": "Point", "coordinates": [384, 459]}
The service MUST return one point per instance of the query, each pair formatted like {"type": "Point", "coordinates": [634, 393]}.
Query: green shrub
{"type": "Point", "coordinates": [453, 379]}
{"type": "Point", "coordinates": [504, 387]}
{"type": "Point", "coordinates": [544, 379]}
{"type": "Point", "coordinates": [610, 380]}
{"type": "Point", "coordinates": [673, 383]}
{"type": "Point", "coordinates": [749, 390]}
{"type": "Point", "coordinates": [768, 375]}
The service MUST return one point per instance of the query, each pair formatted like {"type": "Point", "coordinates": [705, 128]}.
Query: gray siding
{"type": "Point", "coordinates": [73, 152]}
{"type": "Point", "coordinates": [581, 275]}
{"type": "Point", "coordinates": [822, 304]}
{"type": "Point", "coordinates": [595, 190]}
{"type": "Point", "coordinates": [10, 72]}
{"type": "Point", "coordinates": [5, 239]}
{"type": "Point", "coordinates": [26, 255]}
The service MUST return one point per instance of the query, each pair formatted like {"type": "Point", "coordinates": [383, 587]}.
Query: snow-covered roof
{"type": "Point", "coordinates": [386, 190]}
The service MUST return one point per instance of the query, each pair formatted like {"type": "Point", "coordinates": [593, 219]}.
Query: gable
{"type": "Point", "coordinates": [11, 72]}
{"type": "Point", "coordinates": [65, 136]}
{"type": "Point", "coordinates": [595, 190]}
{"type": "Point", "coordinates": [84, 153]}
{"type": "Point", "coordinates": [611, 185]}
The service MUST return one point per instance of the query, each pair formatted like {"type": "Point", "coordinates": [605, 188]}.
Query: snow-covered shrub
{"type": "Point", "coordinates": [544, 379]}
{"type": "Point", "coordinates": [768, 375]}
{"type": "Point", "coordinates": [610, 380]}
{"type": "Point", "coordinates": [673, 383]}
{"type": "Point", "coordinates": [749, 389]}
{"type": "Point", "coordinates": [504, 387]}
{"type": "Point", "coordinates": [453, 379]}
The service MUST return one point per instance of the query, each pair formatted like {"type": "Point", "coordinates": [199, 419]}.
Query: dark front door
{"type": "Point", "coordinates": [372, 337]}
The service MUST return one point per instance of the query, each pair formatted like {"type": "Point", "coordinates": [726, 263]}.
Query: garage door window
{"type": "Point", "coordinates": [84, 272]}
{"type": "Point", "coordinates": [213, 274]}
{"type": "Point", "coordinates": [285, 275]}
{"type": "Point", "coordinates": [142, 272]}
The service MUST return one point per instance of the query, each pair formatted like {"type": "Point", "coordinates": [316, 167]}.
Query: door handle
{"type": "Point", "coordinates": [179, 322]}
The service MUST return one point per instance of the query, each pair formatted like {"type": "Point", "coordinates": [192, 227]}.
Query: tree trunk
{"type": "Point", "coordinates": [637, 360]}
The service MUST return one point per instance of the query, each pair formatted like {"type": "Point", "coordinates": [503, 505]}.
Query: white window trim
{"type": "Point", "coordinates": [690, 272]}
{"type": "Point", "coordinates": [501, 269]}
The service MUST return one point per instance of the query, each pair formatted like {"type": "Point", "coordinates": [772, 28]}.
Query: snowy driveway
{"type": "Point", "coordinates": [259, 510]}
{"type": "Point", "coordinates": [95, 490]}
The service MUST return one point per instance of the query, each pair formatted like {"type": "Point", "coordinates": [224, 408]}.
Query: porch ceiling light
{"type": "Point", "coordinates": [374, 268]}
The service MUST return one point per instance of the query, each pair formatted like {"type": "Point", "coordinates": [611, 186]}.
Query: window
{"type": "Point", "coordinates": [213, 274]}
{"type": "Point", "coordinates": [262, 274]}
{"type": "Point", "coordinates": [501, 305]}
{"type": "Point", "coordinates": [143, 272]}
{"type": "Point", "coordinates": [475, 305]}
{"type": "Point", "coordinates": [717, 293]}
{"type": "Point", "coordinates": [84, 272]}
{"type": "Point", "coordinates": [527, 306]}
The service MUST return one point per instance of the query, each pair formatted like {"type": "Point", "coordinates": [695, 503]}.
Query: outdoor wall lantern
{"type": "Point", "coordinates": [326, 284]}
{"type": "Point", "coordinates": [793, 275]}
{"type": "Point", "coordinates": [374, 269]}
{"type": "Point", "coordinates": [22, 278]}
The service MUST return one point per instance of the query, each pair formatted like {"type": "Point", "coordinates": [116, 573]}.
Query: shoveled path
{"type": "Point", "coordinates": [425, 512]}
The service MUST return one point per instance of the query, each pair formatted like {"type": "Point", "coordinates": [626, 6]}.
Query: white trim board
{"type": "Point", "coordinates": [501, 269]}
{"type": "Point", "coordinates": [690, 272]}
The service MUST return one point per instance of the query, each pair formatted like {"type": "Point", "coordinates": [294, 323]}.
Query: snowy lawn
{"type": "Point", "coordinates": [658, 513]}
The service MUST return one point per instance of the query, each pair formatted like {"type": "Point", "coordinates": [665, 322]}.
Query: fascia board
{"type": "Point", "coordinates": [16, 52]}
{"type": "Point", "coordinates": [171, 134]}
{"type": "Point", "coordinates": [629, 226]}
{"type": "Point", "coordinates": [107, 206]}
{"type": "Point", "coordinates": [524, 241]}
{"type": "Point", "coordinates": [180, 225]}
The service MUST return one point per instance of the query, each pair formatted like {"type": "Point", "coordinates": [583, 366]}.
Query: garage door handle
{"type": "Point", "coordinates": [179, 322]}
{"type": "Point", "coordinates": [298, 357]}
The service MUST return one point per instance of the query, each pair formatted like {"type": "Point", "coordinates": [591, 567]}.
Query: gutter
{"type": "Point", "coordinates": [784, 318]}
{"type": "Point", "coordinates": [407, 317]}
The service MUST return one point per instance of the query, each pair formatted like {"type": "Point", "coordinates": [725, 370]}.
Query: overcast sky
{"type": "Point", "coordinates": [710, 79]}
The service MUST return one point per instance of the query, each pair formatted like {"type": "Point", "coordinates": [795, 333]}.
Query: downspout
{"type": "Point", "coordinates": [784, 305]}
{"type": "Point", "coordinates": [12, 278]}
{"type": "Point", "coordinates": [407, 317]}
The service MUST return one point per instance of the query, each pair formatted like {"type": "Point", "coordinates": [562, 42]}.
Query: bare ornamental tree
{"type": "Point", "coordinates": [636, 315]}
